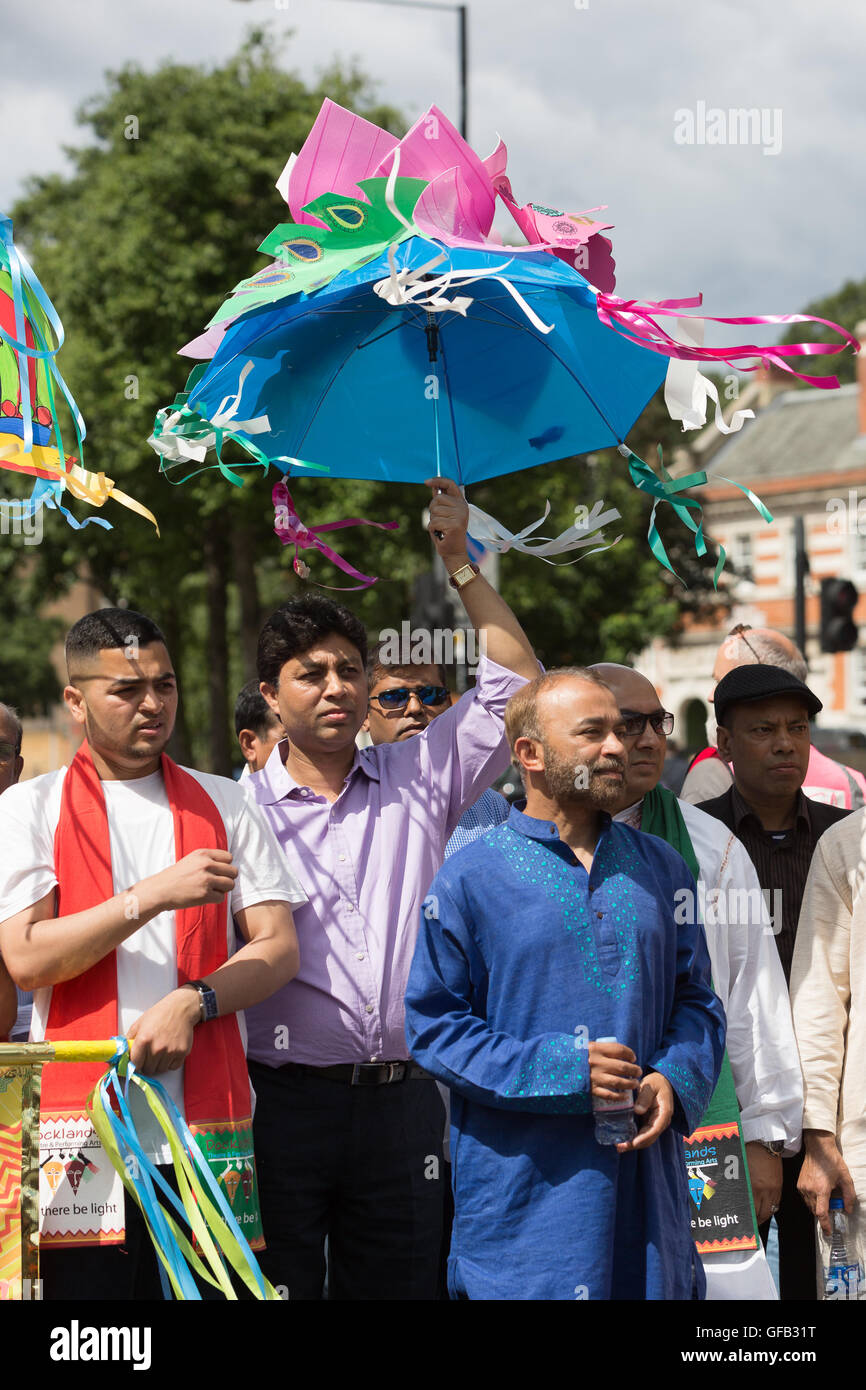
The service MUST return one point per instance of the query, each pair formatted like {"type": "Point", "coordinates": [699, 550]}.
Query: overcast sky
{"type": "Point", "coordinates": [585, 95]}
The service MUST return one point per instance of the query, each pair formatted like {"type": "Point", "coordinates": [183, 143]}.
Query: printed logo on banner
{"type": "Point", "coordinates": [718, 1187]}
{"type": "Point", "coordinates": [80, 1194]}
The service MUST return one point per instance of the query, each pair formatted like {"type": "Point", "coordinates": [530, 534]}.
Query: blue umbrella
{"type": "Point", "coordinates": [400, 392]}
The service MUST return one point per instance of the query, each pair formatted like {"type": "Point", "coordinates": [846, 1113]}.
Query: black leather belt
{"type": "Point", "coordinates": [361, 1073]}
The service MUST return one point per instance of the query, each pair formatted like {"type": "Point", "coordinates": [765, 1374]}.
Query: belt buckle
{"type": "Point", "coordinates": [359, 1073]}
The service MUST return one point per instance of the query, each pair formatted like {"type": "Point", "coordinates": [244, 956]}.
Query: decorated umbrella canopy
{"type": "Point", "coordinates": [32, 392]}
{"type": "Point", "coordinates": [393, 338]}
{"type": "Point", "coordinates": [351, 376]}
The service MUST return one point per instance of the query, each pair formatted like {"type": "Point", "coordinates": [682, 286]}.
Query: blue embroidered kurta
{"type": "Point", "coordinates": [521, 959]}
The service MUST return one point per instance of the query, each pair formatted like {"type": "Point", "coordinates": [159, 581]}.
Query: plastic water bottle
{"type": "Point", "coordinates": [843, 1276]}
{"type": "Point", "coordinates": [614, 1119]}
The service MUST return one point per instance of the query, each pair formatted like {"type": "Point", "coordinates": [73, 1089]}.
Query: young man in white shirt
{"type": "Point", "coordinates": [108, 836]}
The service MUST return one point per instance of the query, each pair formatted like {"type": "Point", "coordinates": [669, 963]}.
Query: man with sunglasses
{"type": "Point", "coordinates": [747, 973]}
{"type": "Point", "coordinates": [348, 1130]}
{"type": "Point", "coordinates": [709, 776]}
{"type": "Point", "coordinates": [403, 700]}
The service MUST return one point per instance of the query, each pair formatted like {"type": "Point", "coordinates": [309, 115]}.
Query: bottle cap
{"type": "Point", "coordinates": [837, 1204]}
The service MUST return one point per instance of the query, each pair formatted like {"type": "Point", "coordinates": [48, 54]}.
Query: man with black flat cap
{"type": "Point", "coordinates": [763, 717]}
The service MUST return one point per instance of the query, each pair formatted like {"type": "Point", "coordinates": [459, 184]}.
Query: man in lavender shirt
{"type": "Point", "coordinates": [348, 1131]}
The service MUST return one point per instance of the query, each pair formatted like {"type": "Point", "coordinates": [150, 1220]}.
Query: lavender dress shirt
{"type": "Point", "coordinates": [366, 862]}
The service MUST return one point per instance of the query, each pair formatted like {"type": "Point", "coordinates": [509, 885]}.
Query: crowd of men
{"type": "Point", "coordinates": [360, 933]}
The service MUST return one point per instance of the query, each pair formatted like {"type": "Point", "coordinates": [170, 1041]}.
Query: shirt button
{"type": "Point", "coordinates": [369, 1009]}
{"type": "Point", "coordinates": [350, 907]}
{"type": "Point", "coordinates": [360, 955]}
{"type": "Point", "coordinates": [599, 914]}
{"type": "Point", "coordinates": [342, 858]}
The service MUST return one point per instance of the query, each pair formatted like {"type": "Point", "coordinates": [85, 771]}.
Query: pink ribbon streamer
{"type": "Point", "coordinates": [636, 317]}
{"type": "Point", "coordinates": [291, 531]}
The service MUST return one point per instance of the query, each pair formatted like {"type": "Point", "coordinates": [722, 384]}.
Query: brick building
{"type": "Point", "coordinates": [805, 455]}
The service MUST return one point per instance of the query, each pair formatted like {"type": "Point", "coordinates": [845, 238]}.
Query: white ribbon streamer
{"type": "Point", "coordinates": [687, 389]}
{"type": "Point", "coordinates": [410, 287]}
{"type": "Point", "coordinates": [178, 449]}
{"type": "Point", "coordinates": [492, 534]}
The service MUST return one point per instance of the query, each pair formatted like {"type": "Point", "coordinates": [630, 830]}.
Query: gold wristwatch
{"type": "Point", "coordinates": [460, 578]}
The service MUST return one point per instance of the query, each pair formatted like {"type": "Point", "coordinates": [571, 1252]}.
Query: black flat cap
{"type": "Point", "coordinates": [759, 682]}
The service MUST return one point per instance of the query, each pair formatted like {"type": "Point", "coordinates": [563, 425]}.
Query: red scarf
{"type": "Point", "coordinates": [216, 1083]}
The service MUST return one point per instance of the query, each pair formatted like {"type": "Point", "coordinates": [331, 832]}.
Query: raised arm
{"type": "Point", "coordinates": [499, 632]}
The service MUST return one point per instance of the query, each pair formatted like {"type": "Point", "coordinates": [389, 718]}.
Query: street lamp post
{"type": "Point", "coordinates": [463, 47]}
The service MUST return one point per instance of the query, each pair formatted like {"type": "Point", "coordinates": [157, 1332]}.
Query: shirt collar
{"type": "Point", "coordinates": [544, 829]}
{"type": "Point", "coordinates": [631, 815]}
{"type": "Point", "coordinates": [742, 809]}
{"type": "Point", "coordinates": [274, 782]}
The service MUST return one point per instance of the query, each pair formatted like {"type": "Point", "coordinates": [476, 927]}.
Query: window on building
{"type": "Point", "coordinates": [742, 555]}
{"type": "Point", "coordinates": [858, 551]}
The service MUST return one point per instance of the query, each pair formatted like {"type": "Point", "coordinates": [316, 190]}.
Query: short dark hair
{"type": "Point", "coordinates": [522, 719]}
{"type": "Point", "coordinates": [252, 711]}
{"type": "Point", "coordinates": [298, 625]}
{"type": "Point", "coordinates": [377, 668]}
{"type": "Point", "coordinates": [14, 720]}
{"type": "Point", "coordinates": [107, 629]}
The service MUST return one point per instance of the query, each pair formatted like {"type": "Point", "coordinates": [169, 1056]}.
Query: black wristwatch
{"type": "Point", "coordinates": [208, 999]}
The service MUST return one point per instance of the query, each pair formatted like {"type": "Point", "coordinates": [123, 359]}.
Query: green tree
{"type": "Point", "coordinates": [847, 307]}
{"type": "Point", "coordinates": [162, 213]}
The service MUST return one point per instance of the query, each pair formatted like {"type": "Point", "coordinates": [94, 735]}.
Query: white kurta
{"type": "Point", "coordinates": [828, 993]}
{"type": "Point", "coordinates": [749, 980]}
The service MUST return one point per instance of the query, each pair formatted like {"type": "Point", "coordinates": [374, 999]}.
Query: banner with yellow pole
{"type": "Point", "coordinates": [20, 1081]}
{"type": "Point", "coordinates": [194, 1231]}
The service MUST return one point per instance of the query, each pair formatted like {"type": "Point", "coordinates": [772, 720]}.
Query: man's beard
{"type": "Point", "coordinates": [572, 785]}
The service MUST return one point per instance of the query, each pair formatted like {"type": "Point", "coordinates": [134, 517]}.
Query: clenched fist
{"type": "Point", "coordinates": [449, 519]}
{"type": "Point", "coordinates": [205, 876]}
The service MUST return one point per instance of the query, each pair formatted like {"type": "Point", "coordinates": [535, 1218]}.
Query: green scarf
{"type": "Point", "coordinates": [661, 816]}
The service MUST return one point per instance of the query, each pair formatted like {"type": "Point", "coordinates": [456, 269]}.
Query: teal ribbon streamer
{"type": "Point", "coordinates": [667, 489]}
{"type": "Point", "coordinates": [25, 285]}
{"type": "Point", "coordinates": [145, 1177]}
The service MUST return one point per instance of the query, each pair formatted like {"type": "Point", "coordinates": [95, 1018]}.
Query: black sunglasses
{"type": "Point", "coordinates": [661, 722]}
{"type": "Point", "coordinates": [397, 699]}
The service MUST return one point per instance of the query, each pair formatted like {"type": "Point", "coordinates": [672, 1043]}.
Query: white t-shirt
{"type": "Point", "coordinates": [141, 833]}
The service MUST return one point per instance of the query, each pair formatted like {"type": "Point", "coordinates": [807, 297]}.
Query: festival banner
{"type": "Point", "coordinates": [19, 1166]}
{"type": "Point", "coordinates": [80, 1194]}
{"type": "Point", "coordinates": [722, 1210]}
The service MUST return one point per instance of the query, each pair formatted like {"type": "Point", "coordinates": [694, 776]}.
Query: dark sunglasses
{"type": "Point", "coordinates": [397, 699]}
{"type": "Point", "coordinates": [661, 723]}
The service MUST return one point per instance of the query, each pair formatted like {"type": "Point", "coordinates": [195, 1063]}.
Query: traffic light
{"type": "Point", "coordinates": [838, 629]}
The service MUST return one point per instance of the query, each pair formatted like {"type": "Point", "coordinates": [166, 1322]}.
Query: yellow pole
{"type": "Point", "coordinates": [34, 1054]}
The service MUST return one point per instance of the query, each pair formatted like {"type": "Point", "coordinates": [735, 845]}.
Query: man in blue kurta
{"type": "Point", "coordinates": [553, 930]}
